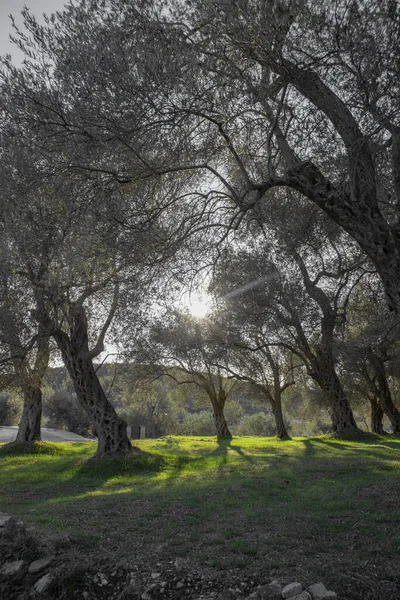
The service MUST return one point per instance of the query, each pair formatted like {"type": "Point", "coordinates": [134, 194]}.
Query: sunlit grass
{"type": "Point", "coordinates": [231, 502]}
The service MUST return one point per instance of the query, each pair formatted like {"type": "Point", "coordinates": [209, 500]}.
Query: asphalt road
{"type": "Point", "coordinates": [8, 434]}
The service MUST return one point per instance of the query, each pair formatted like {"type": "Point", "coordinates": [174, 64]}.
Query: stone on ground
{"type": "Point", "coordinates": [319, 592]}
{"type": "Point", "coordinates": [42, 584]}
{"type": "Point", "coordinates": [271, 591]}
{"type": "Point", "coordinates": [11, 568]}
{"type": "Point", "coordinates": [40, 564]}
{"type": "Point", "coordinates": [292, 589]}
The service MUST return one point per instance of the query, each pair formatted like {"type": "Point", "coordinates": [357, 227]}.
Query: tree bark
{"type": "Point", "coordinates": [217, 397]}
{"type": "Point", "coordinates": [221, 425]}
{"type": "Point", "coordinates": [324, 374]}
{"type": "Point", "coordinates": [110, 428]}
{"type": "Point", "coordinates": [281, 431]}
{"type": "Point", "coordinates": [29, 426]}
{"type": "Point", "coordinates": [218, 400]}
{"type": "Point", "coordinates": [276, 404]}
{"type": "Point", "coordinates": [31, 381]}
{"type": "Point", "coordinates": [384, 393]}
{"type": "Point", "coordinates": [376, 416]}
{"type": "Point", "coordinates": [320, 360]}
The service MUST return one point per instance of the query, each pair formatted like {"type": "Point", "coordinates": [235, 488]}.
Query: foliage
{"type": "Point", "coordinates": [62, 411]}
{"type": "Point", "coordinates": [259, 425]}
{"type": "Point", "coordinates": [10, 408]}
{"type": "Point", "coordinates": [147, 146]}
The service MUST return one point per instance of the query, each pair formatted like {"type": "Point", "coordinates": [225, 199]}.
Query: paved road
{"type": "Point", "coordinates": [8, 434]}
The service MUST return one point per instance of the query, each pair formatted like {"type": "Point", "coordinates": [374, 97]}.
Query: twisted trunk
{"type": "Point", "coordinates": [281, 431]}
{"type": "Point", "coordinates": [29, 426]}
{"type": "Point", "coordinates": [380, 390]}
{"type": "Point", "coordinates": [384, 393]}
{"type": "Point", "coordinates": [376, 416]}
{"type": "Point", "coordinates": [221, 425]}
{"type": "Point", "coordinates": [218, 400]}
{"type": "Point", "coordinates": [324, 374]}
{"type": "Point", "coordinates": [110, 428]}
{"type": "Point", "coordinates": [276, 405]}
{"type": "Point", "coordinates": [29, 429]}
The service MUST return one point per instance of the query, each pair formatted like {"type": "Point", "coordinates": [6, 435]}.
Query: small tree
{"type": "Point", "coordinates": [186, 342]}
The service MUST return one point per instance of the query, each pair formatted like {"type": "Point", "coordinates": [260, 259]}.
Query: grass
{"type": "Point", "coordinates": [309, 509]}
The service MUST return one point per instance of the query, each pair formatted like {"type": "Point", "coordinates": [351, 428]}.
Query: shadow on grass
{"type": "Point", "coordinates": [22, 448]}
{"type": "Point", "coordinates": [310, 448]}
{"type": "Point", "coordinates": [367, 439]}
{"type": "Point", "coordinates": [146, 465]}
{"type": "Point", "coordinates": [225, 444]}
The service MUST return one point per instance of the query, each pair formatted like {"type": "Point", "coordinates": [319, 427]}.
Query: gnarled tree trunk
{"type": "Point", "coordinates": [384, 393]}
{"type": "Point", "coordinates": [110, 428]}
{"type": "Point", "coordinates": [376, 416]}
{"type": "Point", "coordinates": [218, 400]}
{"type": "Point", "coordinates": [281, 431]}
{"type": "Point", "coordinates": [221, 425]}
{"type": "Point", "coordinates": [31, 379]}
{"type": "Point", "coordinates": [275, 401]}
{"type": "Point", "coordinates": [29, 426]}
{"type": "Point", "coordinates": [324, 374]}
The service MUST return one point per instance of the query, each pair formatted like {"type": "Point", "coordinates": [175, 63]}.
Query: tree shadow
{"type": "Point", "coordinates": [310, 449]}
{"type": "Point", "coordinates": [225, 444]}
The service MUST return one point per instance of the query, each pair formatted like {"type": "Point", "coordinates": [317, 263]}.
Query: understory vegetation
{"type": "Point", "coordinates": [166, 408]}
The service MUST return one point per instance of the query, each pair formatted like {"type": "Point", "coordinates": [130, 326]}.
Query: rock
{"type": "Point", "coordinates": [302, 596]}
{"type": "Point", "coordinates": [155, 575]}
{"type": "Point", "coordinates": [42, 563]}
{"type": "Point", "coordinates": [146, 596]}
{"type": "Point", "coordinates": [179, 563]}
{"type": "Point", "coordinates": [4, 518]}
{"type": "Point", "coordinates": [319, 592]}
{"type": "Point", "coordinates": [292, 589]}
{"type": "Point", "coordinates": [12, 568]}
{"type": "Point", "coordinates": [180, 585]}
{"type": "Point", "coordinates": [271, 591]}
{"type": "Point", "coordinates": [42, 584]}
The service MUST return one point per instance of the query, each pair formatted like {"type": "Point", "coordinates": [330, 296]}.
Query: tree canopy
{"type": "Point", "coordinates": [254, 143]}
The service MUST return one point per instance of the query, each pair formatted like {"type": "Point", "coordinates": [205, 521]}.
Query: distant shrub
{"type": "Point", "coordinates": [62, 411]}
{"type": "Point", "coordinates": [199, 423]}
{"type": "Point", "coordinates": [10, 409]}
{"type": "Point", "coordinates": [259, 424]}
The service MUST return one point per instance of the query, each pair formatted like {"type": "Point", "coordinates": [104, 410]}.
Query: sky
{"type": "Point", "coordinates": [14, 7]}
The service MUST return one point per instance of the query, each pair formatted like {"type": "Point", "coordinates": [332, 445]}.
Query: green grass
{"type": "Point", "coordinates": [308, 509]}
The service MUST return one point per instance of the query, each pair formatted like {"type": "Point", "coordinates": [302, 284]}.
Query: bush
{"type": "Point", "coordinates": [62, 411]}
{"type": "Point", "coordinates": [10, 409]}
{"type": "Point", "coordinates": [259, 424]}
{"type": "Point", "coordinates": [200, 423]}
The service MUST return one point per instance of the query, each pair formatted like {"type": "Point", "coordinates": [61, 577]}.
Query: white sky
{"type": "Point", "coordinates": [14, 7]}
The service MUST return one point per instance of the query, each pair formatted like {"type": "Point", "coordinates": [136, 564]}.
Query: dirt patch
{"type": "Point", "coordinates": [95, 570]}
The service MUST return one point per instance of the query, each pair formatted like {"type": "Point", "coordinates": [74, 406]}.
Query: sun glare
{"type": "Point", "coordinates": [199, 307]}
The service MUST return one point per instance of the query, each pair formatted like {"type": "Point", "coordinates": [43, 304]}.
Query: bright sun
{"type": "Point", "coordinates": [199, 306]}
